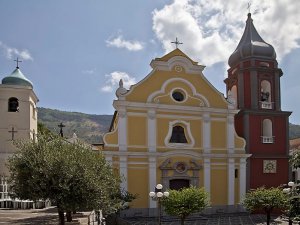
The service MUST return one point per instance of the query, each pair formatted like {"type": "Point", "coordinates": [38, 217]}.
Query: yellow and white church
{"type": "Point", "coordinates": [175, 128]}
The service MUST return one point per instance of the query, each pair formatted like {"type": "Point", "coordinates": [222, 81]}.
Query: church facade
{"type": "Point", "coordinates": [174, 128]}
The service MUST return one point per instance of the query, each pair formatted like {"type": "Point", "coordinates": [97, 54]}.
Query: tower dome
{"type": "Point", "coordinates": [251, 45]}
{"type": "Point", "coordinates": [17, 78]}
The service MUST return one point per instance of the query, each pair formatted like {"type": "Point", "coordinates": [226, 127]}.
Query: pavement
{"type": "Point", "coordinates": [218, 219]}
{"type": "Point", "coordinates": [46, 216]}
{"type": "Point", "coordinates": [49, 216]}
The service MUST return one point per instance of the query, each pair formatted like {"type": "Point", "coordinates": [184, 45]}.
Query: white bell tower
{"type": "Point", "coordinates": [18, 118]}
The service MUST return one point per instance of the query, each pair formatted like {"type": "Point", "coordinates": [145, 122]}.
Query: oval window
{"type": "Point", "coordinates": [178, 96]}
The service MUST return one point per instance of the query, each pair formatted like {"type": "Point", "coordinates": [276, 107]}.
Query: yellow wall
{"type": "Point", "coordinates": [219, 186]}
{"type": "Point", "coordinates": [136, 130]}
{"type": "Point", "coordinates": [138, 184]}
{"type": "Point", "coordinates": [218, 134]}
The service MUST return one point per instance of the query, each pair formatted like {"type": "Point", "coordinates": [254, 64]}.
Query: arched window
{"type": "Point", "coordinates": [267, 136]}
{"type": "Point", "coordinates": [178, 135]}
{"type": "Point", "coordinates": [13, 105]}
{"type": "Point", "coordinates": [265, 91]}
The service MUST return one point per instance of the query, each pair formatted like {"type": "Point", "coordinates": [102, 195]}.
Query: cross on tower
{"type": "Point", "coordinates": [176, 42]}
{"type": "Point", "coordinates": [12, 131]}
{"type": "Point", "coordinates": [61, 125]}
{"type": "Point", "coordinates": [17, 62]}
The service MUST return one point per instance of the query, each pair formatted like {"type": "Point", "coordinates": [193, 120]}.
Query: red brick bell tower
{"type": "Point", "coordinates": [253, 84]}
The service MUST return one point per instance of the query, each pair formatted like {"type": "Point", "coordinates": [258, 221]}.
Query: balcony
{"type": "Point", "coordinates": [266, 105]}
{"type": "Point", "coordinates": [267, 140]}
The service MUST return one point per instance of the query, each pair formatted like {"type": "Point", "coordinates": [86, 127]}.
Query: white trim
{"type": "Point", "coordinates": [188, 132]}
{"type": "Point", "coordinates": [151, 131]}
{"type": "Point", "coordinates": [186, 63]}
{"type": "Point", "coordinates": [155, 94]}
{"type": "Point", "coordinates": [176, 107]}
{"type": "Point", "coordinates": [152, 179]}
{"type": "Point", "coordinates": [230, 133]}
{"type": "Point", "coordinates": [122, 129]}
{"type": "Point", "coordinates": [242, 178]}
{"type": "Point", "coordinates": [206, 133]}
{"type": "Point", "coordinates": [207, 174]}
{"type": "Point", "coordinates": [177, 152]}
{"type": "Point", "coordinates": [231, 182]}
{"type": "Point", "coordinates": [123, 173]}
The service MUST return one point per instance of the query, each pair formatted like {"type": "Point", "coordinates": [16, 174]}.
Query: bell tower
{"type": "Point", "coordinates": [253, 83]}
{"type": "Point", "coordinates": [18, 119]}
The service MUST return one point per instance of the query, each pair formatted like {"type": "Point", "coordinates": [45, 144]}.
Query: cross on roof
{"type": "Point", "coordinates": [176, 42]}
{"type": "Point", "coordinates": [61, 125]}
{"type": "Point", "coordinates": [12, 131]}
{"type": "Point", "coordinates": [249, 7]}
{"type": "Point", "coordinates": [17, 62]}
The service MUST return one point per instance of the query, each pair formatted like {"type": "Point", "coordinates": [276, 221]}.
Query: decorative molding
{"type": "Point", "coordinates": [269, 166]}
{"type": "Point", "coordinates": [185, 63]}
{"type": "Point", "coordinates": [162, 91]}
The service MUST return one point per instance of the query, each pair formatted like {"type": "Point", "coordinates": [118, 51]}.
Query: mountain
{"type": "Point", "coordinates": [90, 128]}
{"type": "Point", "coordinates": [87, 127]}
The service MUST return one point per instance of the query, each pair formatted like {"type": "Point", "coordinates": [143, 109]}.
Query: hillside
{"type": "Point", "coordinates": [91, 127]}
{"type": "Point", "coordinates": [87, 127]}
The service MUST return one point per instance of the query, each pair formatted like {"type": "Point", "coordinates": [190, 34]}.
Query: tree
{"type": "Point", "coordinates": [185, 201]}
{"type": "Point", "coordinates": [295, 160]}
{"type": "Point", "coordinates": [69, 174]}
{"type": "Point", "coordinates": [266, 200]}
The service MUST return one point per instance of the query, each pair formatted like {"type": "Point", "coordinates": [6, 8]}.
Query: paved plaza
{"type": "Point", "coordinates": [49, 217]}
{"type": "Point", "coordinates": [224, 219]}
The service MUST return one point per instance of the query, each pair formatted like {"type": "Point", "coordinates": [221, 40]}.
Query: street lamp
{"type": "Point", "coordinates": [157, 195]}
{"type": "Point", "coordinates": [293, 190]}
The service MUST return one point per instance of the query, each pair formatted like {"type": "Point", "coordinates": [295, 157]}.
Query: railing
{"type": "Point", "coordinates": [267, 140]}
{"type": "Point", "coordinates": [96, 218]}
{"type": "Point", "coordinates": [266, 105]}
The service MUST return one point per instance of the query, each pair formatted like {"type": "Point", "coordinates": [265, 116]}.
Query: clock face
{"type": "Point", "coordinates": [269, 166]}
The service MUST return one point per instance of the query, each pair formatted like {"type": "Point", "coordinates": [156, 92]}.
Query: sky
{"type": "Point", "coordinates": [76, 51]}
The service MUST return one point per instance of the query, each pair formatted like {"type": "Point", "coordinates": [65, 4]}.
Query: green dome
{"type": "Point", "coordinates": [17, 78]}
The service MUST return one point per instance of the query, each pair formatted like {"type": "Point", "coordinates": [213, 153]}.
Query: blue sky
{"type": "Point", "coordinates": [75, 51]}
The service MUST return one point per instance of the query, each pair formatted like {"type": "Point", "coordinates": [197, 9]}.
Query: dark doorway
{"type": "Point", "coordinates": [177, 184]}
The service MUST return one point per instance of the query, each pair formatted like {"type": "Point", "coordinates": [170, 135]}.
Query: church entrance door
{"type": "Point", "coordinates": [176, 184]}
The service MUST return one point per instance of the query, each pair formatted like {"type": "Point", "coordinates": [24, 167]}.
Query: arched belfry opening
{"type": "Point", "coordinates": [265, 94]}
{"type": "Point", "coordinates": [178, 135]}
{"type": "Point", "coordinates": [13, 104]}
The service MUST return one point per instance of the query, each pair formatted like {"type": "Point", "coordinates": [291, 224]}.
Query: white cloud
{"type": "Point", "coordinates": [211, 30]}
{"type": "Point", "coordinates": [113, 79]}
{"type": "Point", "coordinates": [11, 53]}
{"type": "Point", "coordinates": [89, 71]}
{"type": "Point", "coordinates": [130, 45]}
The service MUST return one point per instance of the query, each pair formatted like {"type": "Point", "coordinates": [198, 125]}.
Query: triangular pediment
{"type": "Point", "coordinates": [175, 52]}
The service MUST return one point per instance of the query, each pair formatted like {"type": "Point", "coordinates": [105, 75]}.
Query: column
{"type": "Point", "coordinates": [242, 178]}
{"type": "Point", "coordinates": [108, 159]}
{"type": "Point", "coordinates": [151, 131]}
{"type": "Point", "coordinates": [152, 179]}
{"type": "Point", "coordinates": [230, 133]}
{"type": "Point", "coordinates": [231, 181]}
{"type": "Point", "coordinates": [122, 129]}
{"type": "Point", "coordinates": [206, 133]}
{"type": "Point", "coordinates": [123, 172]}
{"type": "Point", "coordinates": [207, 169]}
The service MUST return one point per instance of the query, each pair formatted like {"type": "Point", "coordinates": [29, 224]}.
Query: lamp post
{"type": "Point", "coordinates": [293, 190]}
{"type": "Point", "coordinates": [157, 195]}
